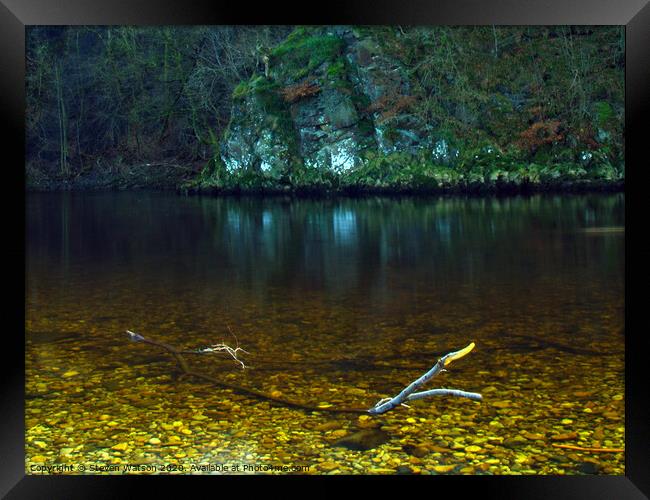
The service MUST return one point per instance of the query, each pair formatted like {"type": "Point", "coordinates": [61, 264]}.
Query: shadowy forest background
{"type": "Point", "coordinates": [155, 101]}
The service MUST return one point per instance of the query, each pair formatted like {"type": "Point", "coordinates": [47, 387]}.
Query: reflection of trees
{"type": "Point", "coordinates": [371, 248]}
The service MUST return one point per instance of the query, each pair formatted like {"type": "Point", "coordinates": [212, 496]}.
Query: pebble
{"type": "Point", "coordinates": [587, 468]}
{"type": "Point", "coordinates": [416, 451]}
{"type": "Point", "coordinates": [327, 426]}
{"type": "Point", "coordinates": [533, 436]}
{"type": "Point", "coordinates": [515, 442]}
{"type": "Point", "coordinates": [443, 468]}
{"type": "Point", "coordinates": [565, 437]}
{"type": "Point", "coordinates": [327, 466]}
{"type": "Point", "coordinates": [209, 425]}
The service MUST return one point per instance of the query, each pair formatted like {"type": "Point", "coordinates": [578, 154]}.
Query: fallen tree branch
{"type": "Point", "coordinates": [548, 344]}
{"type": "Point", "coordinates": [382, 406]}
{"type": "Point", "coordinates": [594, 450]}
{"type": "Point", "coordinates": [187, 371]}
{"type": "Point", "coordinates": [409, 394]}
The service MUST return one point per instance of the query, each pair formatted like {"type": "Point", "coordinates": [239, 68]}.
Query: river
{"type": "Point", "coordinates": [337, 302]}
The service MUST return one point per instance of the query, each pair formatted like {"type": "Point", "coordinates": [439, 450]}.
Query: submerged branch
{"type": "Point", "coordinates": [409, 393]}
{"type": "Point", "coordinates": [594, 450]}
{"type": "Point", "coordinates": [387, 404]}
{"type": "Point", "coordinates": [186, 370]}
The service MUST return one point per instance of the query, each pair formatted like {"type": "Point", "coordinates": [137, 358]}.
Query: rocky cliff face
{"type": "Point", "coordinates": [336, 108]}
{"type": "Point", "coordinates": [328, 99]}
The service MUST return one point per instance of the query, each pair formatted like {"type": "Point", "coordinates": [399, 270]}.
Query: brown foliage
{"type": "Point", "coordinates": [536, 112]}
{"type": "Point", "coordinates": [294, 93]}
{"type": "Point", "coordinates": [539, 134]}
{"type": "Point", "coordinates": [390, 105]}
{"type": "Point", "coordinates": [585, 136]}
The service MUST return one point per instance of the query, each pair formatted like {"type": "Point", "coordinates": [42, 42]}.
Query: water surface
{"type": "Point", "coordinates": [337, 301]}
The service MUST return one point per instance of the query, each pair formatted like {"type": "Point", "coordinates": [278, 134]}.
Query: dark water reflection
{"type": "Point", "coordinates": [379, 253]}
{"type": "Point", "coordinates": [328, 277]}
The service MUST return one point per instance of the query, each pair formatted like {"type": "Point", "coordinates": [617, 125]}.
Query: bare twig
{"type": "Point", "coordinates": [186, 370]}
{"type": "Point", "coordinates": [222, 347]}
{"type": "Point", "coordinates": [409, 394]}
{"type": "Point", "coordinates": [594, 450]}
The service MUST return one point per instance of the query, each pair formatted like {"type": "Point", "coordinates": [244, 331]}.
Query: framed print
{"type": "Point", "coordinates": [386, 242]}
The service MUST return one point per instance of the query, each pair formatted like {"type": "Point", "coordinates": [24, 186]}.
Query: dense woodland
{"type": "Point", "coordinates": [156, 101]}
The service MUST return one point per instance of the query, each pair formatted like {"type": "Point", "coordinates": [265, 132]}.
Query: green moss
{"type": "Point", "coordinates": [257, 85]}
{"type": "Point", "coordinates": [604, 113]}
{"type": "Point", "coordinates": [309, 178]}
{"type": "Point", "coordinates": [336, 70]}
{"type": "Point", "coordinates": [403, 172]}
{"type": "Point", "coordinates": [303, 51]}
{"type": "Point", "coordinates": [241, 90]}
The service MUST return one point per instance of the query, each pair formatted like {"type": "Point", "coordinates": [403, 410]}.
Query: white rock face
{"type": "Point", "coordinates": [333, 128]}
{"type": "Point", "coordinates": [343, 155]}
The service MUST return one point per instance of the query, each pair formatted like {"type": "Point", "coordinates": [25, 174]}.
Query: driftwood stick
{"type": "Point", "coordinates": [382, 406]}
{"type": "Point", "coordinates": [594, 450]}
{"type": "Point", "coordinates": [186, 370]}
{"type": "Point", "coordinates": [389, 403]}
{"type": "Point", "coordinates": [445, 392]}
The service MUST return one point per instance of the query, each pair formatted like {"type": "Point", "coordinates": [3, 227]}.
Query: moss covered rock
{"type": "Point", "coordinates": [338, 108]}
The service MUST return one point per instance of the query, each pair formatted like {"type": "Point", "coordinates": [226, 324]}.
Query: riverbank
{"type": "Point", "coordinates": [159, 176]}
{"type": "Point", "coordinates": [186, 180]}
{"type": "Point", "coordinates": [328, 110]}
{"type": "Point", "coordinates": [473, 190]}
{"type": "Point", "coordinates": [500, 189]}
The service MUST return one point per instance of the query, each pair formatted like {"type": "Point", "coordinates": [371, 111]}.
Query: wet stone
{"type": "Point", "coordinates": [587, 468]}
{"type": "Point", "coordinates": [363, 440]}
{"type": "Point", "coordinates": [515, 442]}
{"type": "Point", "coordinates": [565, 436]}
{"type": "Point", "coordinates": [416, 451]}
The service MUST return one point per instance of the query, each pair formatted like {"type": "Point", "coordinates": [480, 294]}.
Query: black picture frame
{"type": "Point", "coordinates": [16, 15]}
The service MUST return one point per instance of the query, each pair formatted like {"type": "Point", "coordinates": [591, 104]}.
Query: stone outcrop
{"type": "Point", "coordinates": [331, 96]}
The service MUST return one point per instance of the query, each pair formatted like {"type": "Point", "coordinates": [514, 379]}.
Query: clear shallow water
{"type": "Point", "coordinates": [340, 301]}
